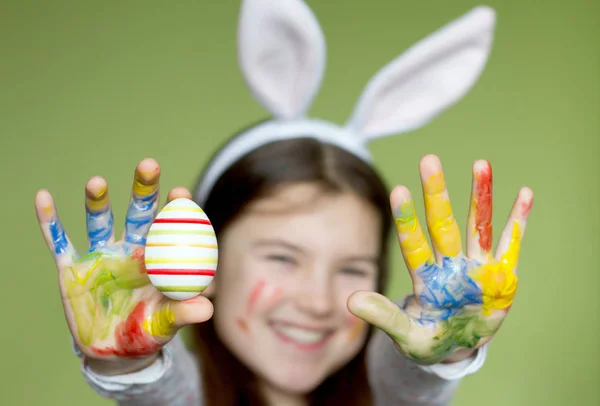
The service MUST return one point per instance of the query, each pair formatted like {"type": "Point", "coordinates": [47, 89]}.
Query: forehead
{"type": "Point", "coordinates": [314, 219]}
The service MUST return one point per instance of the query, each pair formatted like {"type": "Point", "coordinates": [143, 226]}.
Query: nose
{"type": "Point", "coordinates": [315, 293]}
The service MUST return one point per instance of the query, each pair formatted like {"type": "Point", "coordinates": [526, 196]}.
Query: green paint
{"type": "Point", "coordinates": [100, 288]}
{"type": "Point", "coordinates": [405, 213]}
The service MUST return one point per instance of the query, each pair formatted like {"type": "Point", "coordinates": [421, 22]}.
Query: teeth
{"type": "Point", "coordinates": [300, 335]}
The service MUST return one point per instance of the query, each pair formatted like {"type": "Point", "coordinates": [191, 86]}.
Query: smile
{"type": "Point", "coordinates": [303, 338]}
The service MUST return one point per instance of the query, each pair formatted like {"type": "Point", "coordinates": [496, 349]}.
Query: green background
{"type": "Point", "coordinates": [90, 88]}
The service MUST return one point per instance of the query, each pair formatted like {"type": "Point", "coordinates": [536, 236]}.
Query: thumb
{"type": "Point", "coordinates": [172, 315]}
{"type": "Point", "coordinates": [381, 312]}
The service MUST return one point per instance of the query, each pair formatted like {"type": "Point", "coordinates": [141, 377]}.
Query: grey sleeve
{"type": "Point", "coordinates": [396, 380]}
{"type": "Point", "coordinates": [172, 380]}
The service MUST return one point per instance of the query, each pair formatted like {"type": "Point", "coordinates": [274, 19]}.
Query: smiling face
{"type": "Point", "coordinates": [286, 270]}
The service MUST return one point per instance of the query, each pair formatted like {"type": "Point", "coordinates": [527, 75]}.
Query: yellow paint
{"type": "Point", "coordinates": [82, 279]}
{"type": "Point", "coordinates": [181, 244]}
{"type": "Point", "coordinates": [181, 261]}
{"type": "Point", "coordinates": [442, 224]}
{"type": "Point", "coordinates": [145, 183]}
{"type": "Point", "coordinates": [97, 202]}
{"type": "Point", "coordinates": [498, 279]}
{"type": "Point", "coordinates": [413, 242]}
{"type": "Point", "coordinates": [473, 215]}
{"type": "Point", "coordinates": [357, 329]}
{"type": "Point", "coordinates": [176, 208]}
{"type": "Point", "coordinates": [48, 210]}
{"type": "Point", "coordinates": [161, 323]}
{"type": "Point", "coordinates": [100, 291]}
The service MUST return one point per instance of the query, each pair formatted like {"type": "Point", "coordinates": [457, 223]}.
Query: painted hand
{"type": "Point", "coordinates": [112, 309]}
{"type": "Point", "coordinates": [459, 301]}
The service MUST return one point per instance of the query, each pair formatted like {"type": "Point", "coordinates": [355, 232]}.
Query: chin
{"type": "Point", "coordinates": [294, 380]}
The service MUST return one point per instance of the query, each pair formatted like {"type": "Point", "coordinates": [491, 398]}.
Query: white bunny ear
{"type": "Point", "coordinates": [428, 78]}
{"type": "Point", "coordinates": [282, 54]}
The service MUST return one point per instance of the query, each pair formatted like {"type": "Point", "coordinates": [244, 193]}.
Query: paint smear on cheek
{"type": "Point", "coordinates": [243, 325]}
{"type": "Point", "coordinates": [254, 296]}
{"type": "Point", "coordinates": [357, 326]}
{"type": "Point", "coordinates": [262, 296]}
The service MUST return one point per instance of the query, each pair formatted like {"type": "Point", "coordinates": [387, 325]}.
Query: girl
{"type": "Point", "coordinates": [302, 219]}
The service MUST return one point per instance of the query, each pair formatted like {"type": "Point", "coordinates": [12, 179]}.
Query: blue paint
{"type": "Point", "coordinates": [100, 227]}
{"type": "Point", "coordinates": [139, 218]}
{"type": "Point", "coordinates": [59, 238]}
{"type": "Point", "coordinates": [448, 288]}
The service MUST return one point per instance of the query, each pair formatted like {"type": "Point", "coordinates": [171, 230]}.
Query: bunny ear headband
{"type": "Point", "coordinates": [282, 56]}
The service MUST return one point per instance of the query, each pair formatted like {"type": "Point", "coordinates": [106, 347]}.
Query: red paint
{"type": "Point", "coordinates": [182, 221]}
{"type": "Point", "coordinates": [201, 272]}
{"type": "Point", "coordinates": [254, 294]}
{"type": "Point", "coordinates": [483, 214]}
{"type": "Point", "coordinates": [526, 206]}
{"type": "Point", "coordinates": [130, 338]}
{"type": "Point", "coordinates": [139, 254]}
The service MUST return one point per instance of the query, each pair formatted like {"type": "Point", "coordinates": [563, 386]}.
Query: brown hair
{"type": "Point", "coordinates": [226, 380]}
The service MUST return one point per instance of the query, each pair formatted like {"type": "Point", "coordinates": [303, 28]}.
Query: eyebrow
{"type": "Point", "coordinates": [288, 245]}
{"type": "Point", "coordinates": [277, 243]}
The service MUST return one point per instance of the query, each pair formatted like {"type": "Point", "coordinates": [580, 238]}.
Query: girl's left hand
{"type": "Point", "coordinates": [459, 301]}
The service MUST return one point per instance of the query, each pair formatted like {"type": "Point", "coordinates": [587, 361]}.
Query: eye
{"type": "Point", "coordinates": [354, 272]}
{"type": "Point", "coordinates": [284, 259]}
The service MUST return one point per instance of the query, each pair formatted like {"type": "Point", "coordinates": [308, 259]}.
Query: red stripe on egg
{"type": "Point", "coordinates": [182, 221]}
{"type": "Point", "coordinates": [200, 272]}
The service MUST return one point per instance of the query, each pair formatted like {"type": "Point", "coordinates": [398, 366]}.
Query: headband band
{"type": "Point", "coordinates": [281, 51]}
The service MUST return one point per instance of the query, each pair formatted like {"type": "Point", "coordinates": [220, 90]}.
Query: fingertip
{"type": "Point", "coordinates": [526, 193]}
{"type": "Point", "coordinates": [399, 195]}
{"type": "Point", "coordinates": [148, 169]}
{"type": "Point", "coordinates": [481, 165]}
{"type": "Point", "coordinates": [430, 165]}
{"type": "Point", "coordinates": [44, 205]}
{"type": "Point", "coordinates": [42, 196]}
{"type": "Point", "coordinates": [526, 199]}
{"type": "Point", "coordinates": [428, 160]}
{"type": "Point", "coordinates": [96, 187]}
{"type": "Point", "coordinates": [195, 310]}
{"type": "Point", "coordinates": [361, 302]}
{"type": "Point", "coordinates": [179, 192]}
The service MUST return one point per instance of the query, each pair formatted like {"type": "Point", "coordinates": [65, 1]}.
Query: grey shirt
{"type": "Point", "coordinates": [174, 379]}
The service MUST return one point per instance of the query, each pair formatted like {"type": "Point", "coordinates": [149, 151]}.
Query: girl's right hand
{"type": "Point", "coordinates": [118, 319]}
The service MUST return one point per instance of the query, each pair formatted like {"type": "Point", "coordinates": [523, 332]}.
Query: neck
{"type": "Point", "coordinates": [276, 397]}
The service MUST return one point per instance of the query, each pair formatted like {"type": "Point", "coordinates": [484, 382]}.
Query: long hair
{"type": "Point", "coordinates": [226, 380]}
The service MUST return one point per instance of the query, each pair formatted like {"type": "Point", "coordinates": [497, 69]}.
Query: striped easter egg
{"type": "Point", "coordinates": [181, 250]}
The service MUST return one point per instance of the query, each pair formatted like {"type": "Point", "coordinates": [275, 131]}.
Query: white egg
{"type": "Point", "coordinates": [181, 250]}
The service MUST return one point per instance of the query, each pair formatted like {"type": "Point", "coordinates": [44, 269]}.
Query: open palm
{"type": "Point", "coordinates": [459, 300]}
{"type": "Point", "coordinates": [112, 309]}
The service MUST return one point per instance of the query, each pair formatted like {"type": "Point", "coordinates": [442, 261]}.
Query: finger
{"type": "Point", "coordinates": [509, 245]}
{"type": "Point", "coordinates": [381, 312]}
{"type": "Point", "coordinates": [442, 225]}
{"type": "Point", "coordinates": [99, 215]}
{"type": "Point", "coordinates": [479, 223]}
{"type": "Point", "coordinates": [173, 315]}
{"type": "Point", "coordinates": [53, 231]}
{"type": "Point", "coordinates": [144, 201]}
{"type": "Point", "coordinates": [178, 193]}
{"type": "Point", "coordinates": [415, 248]}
